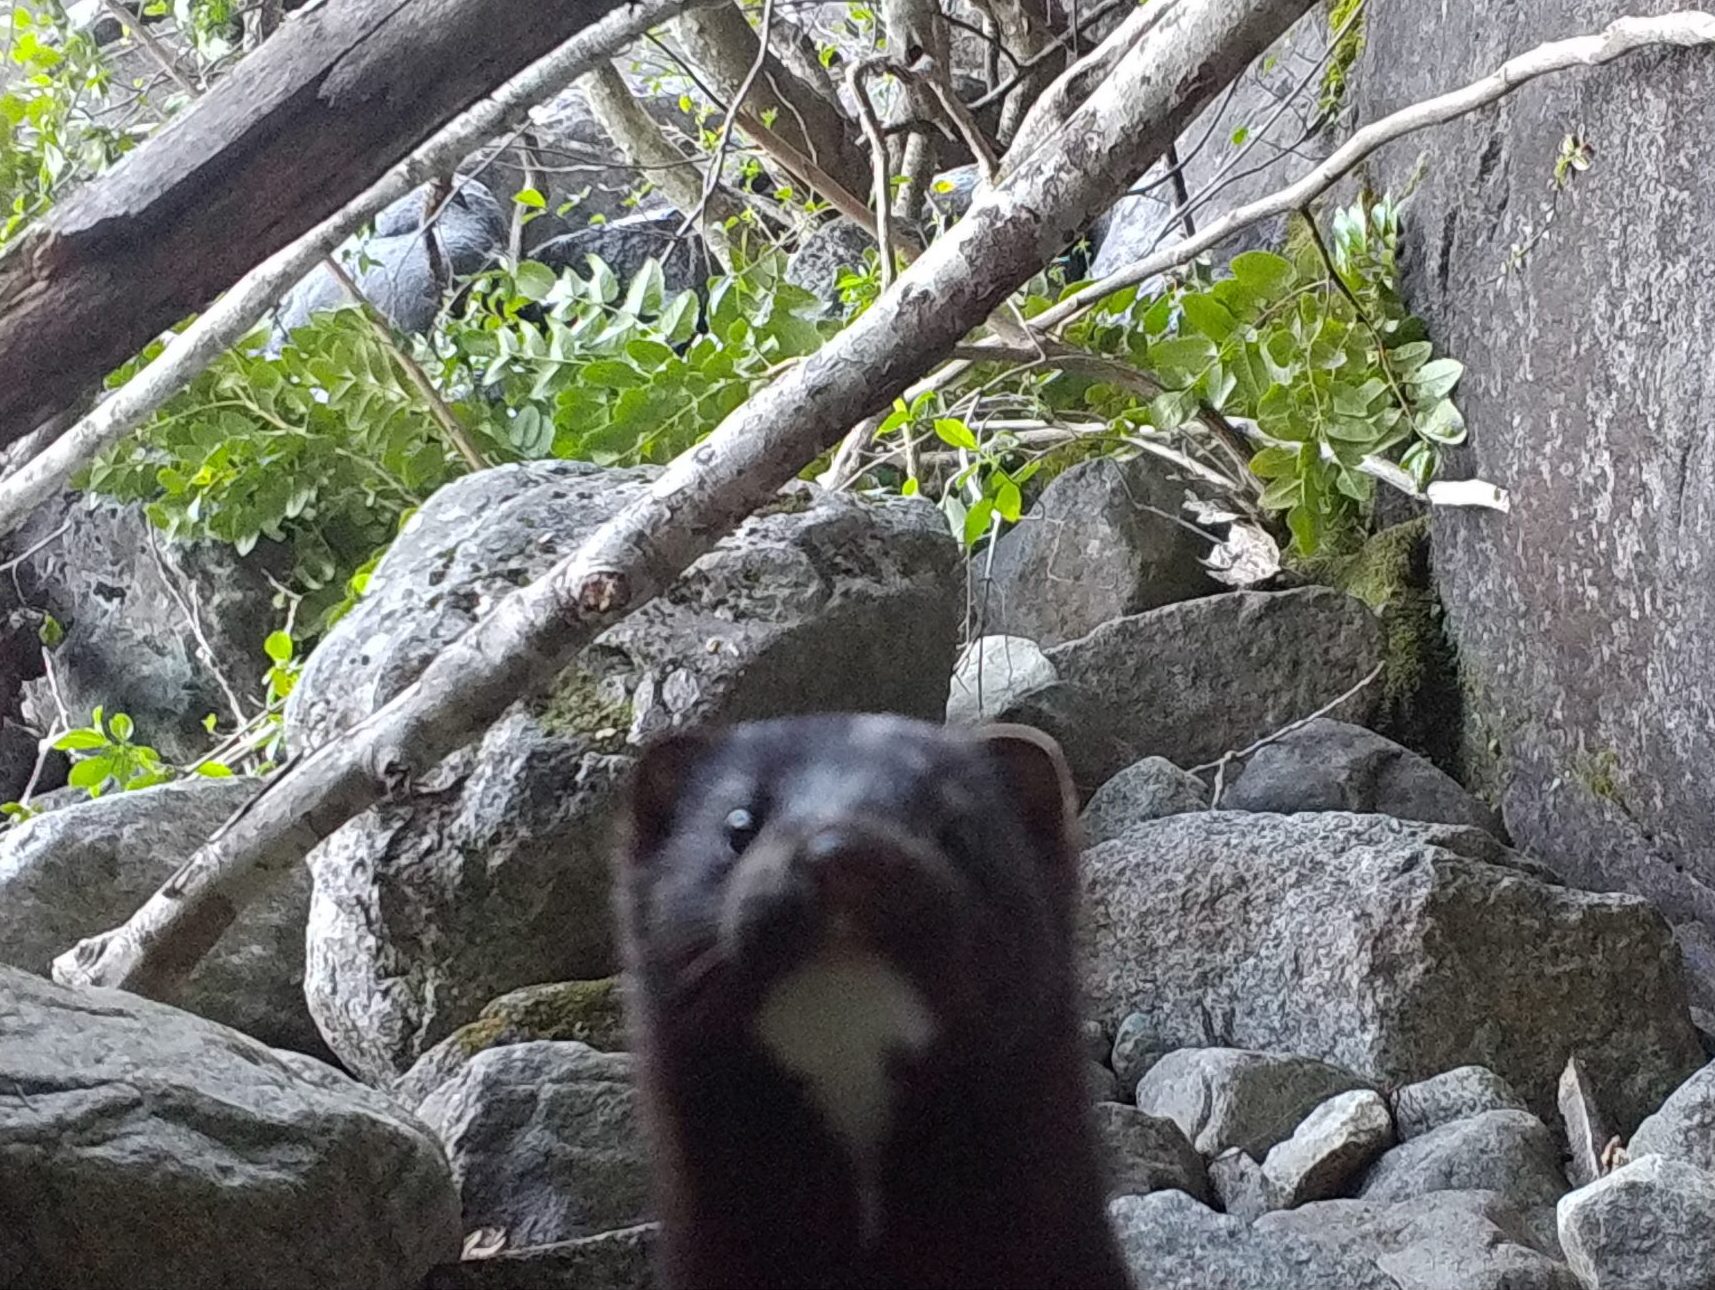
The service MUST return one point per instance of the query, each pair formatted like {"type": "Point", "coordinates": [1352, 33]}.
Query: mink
{"type": "Point", "coordinates": [850, 980]}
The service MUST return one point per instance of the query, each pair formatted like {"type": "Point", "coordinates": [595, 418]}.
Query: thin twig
{"type": "Point", "coordinates": [414, 373]}
{"type": "Point", "coordinates": [856, 76]}
{"type": "Point", "coordinates": [1688, 29]}
{"type": "Point", "coordinates": [152, 45]}
{"type": "Point", "coordinates": [1227, 759]}
{"type": "Point", "coordinates": [205, 651]}
{"type": "Point", "coordinates": [712, 179]}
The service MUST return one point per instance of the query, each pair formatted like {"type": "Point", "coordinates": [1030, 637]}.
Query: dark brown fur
{"type": "Point", "coordinates": [954, 858]}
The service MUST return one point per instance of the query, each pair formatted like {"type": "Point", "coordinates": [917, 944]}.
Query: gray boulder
{"type": "Point", "coordinates": [1086, 728]}
{"type": "Point", "coordinates": [1452, 1095]}
{"type": "Point", "coordinates": [493, 874]}
{"type": "Point", "coordinates": [1511, 1153]}
{"type": "Point", "coordinates": [1684, 1128]}
{"type": "Point", "coordinates": [1445, 1240]}
{"type": "Point", "coordinates": [1336, 1142]}
{"type": "Point", "coordinates": [1332, 766]}
{"type": "Point", "coordinates": [144, 1148]}
{"type": "Point", "coordinates": [1582, 619]}
{"type": "Point", "coordinates": [1101, 542]}
{"type": "Point", "coordinates": [544, 1141]}
{"type": "Point", "coordinates": [827, 254]}
{"type": "Point", "coordinates": [610, 1261]}
{"type": "Point", "coordinates": [126, 596]}
{"type": "Point", "coordinates": [1147, 790]}
{"type": "Point", "coordinates": [1192, 681]}
{"type": "Point", "coordinates": [1227, 1097]}
{"type": "Point", "coordinates": [1244, 1190]}
{"type": "Point", "coordinates": [396, 270]}
{"type": "Point", "coordinates": [1148, 1153]}
{"type": "Point", "coordinates": [624, 245]}
{"type": "Point", "coordinates": [1156, 1029]}
{"type": "Point", "coordinates": [992, 672]}
{"type": "Point", "coordinates": [588, 1012]}
{"type": "Point", "coordinates": [1173, 1242]}
{"type": "Point", "coordinates": [83, 869]}
{"type": "Point", "coordinates": [1649, 1225]}
{"type": "Point", "coordinates": [1395, 949]}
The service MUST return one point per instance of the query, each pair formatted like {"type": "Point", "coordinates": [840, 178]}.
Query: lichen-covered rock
{"type": "Point", "coordinates": [1173, 1242]}
{"type": "Point", "coordinates": [1330, 765]}
{"type": "Point", "coordinates": [1395, 949]}
{"type": "Point", "coordinates": [1336, 1142]}
{"type": "Point", "coordinates": [1511, 1153]}
{"type": "Point", "coordinates": [1684, 1127]}
{"type": "Point", "coordinates": [1146, 1153]}
{"type": "Point", "coordinates": [85, 868]}
{"type": "Point", "coordinates": [1194, 680]}
{"type": "Point", "coordinates": [1581, 618]}
{"type": "Point", "coordinates": [143, 1147]}
{"type": "Point", "coordinates": [1228, 1097]}
{"type": "Point", "coordinates": [619, 1260]}
{"type": "Point", "coordinates": [126, 596]}
{"type": "Point", "coordinates": [589, 1012]}
{"type": "Point", "coordinates": [1445, 1240]}
{"type": "Point", "coordinates": [492, 873]}
{"type": "Point", "coordinates": [544, 1141]}
{"type": "Point", "coordinates": [1649, 1225]}
{"type": "Point", "coordinates": [1147, 790]}
{"type": "Point", "coordinates": [1452, 1095]}
{"type": "Point", "coordinates": [1101, 542]}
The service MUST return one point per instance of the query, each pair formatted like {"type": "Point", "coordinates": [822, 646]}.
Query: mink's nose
{"type": "Point", "coordinates": [844, 868]}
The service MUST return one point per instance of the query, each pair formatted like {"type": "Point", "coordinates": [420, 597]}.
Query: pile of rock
{"type": "Point", "coordinates": [1329, 1018]}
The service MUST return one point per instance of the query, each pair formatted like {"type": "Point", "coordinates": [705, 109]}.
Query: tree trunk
{"type": "Point", "coordinates": [339, 95]}
{"type": "Point", "coordinates": [719, 42]}
{"type": "Point", "coordinates": [1180, 54]}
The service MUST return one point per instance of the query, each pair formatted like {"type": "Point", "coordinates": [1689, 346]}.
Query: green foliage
{"type": "Point", "coordinates": [577, 370]}
{"type": "Point", "coordinates": [52, 133]}
{"type": "Point", "coordinates": [105, 756]}
{"type": "Point", "coordinates": [1319, 352]}
{"type": "Point", "coordinates": [1345, 17]}
{"type": "Point", "coordinates": [326, 445]}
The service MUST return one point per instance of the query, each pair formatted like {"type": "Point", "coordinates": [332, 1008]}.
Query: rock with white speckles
{"type": "Point", "coordinates": [492, 874]}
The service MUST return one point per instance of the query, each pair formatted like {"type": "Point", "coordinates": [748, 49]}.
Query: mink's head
{"type": "Point", "coordinates": [949, 858]}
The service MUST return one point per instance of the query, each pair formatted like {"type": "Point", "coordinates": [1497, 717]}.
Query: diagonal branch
{"type": "Point", "coordinates": [524, 643]}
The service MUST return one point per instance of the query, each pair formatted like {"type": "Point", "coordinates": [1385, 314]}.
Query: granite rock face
{"type": "Point", "coordinates": [1582, 617]}
{"type": "Point", "coordinates": [493, 874]}
{"type": "Point", "coordinates": [1397, 950]}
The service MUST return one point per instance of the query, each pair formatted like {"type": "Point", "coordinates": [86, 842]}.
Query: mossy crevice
{"type": "Point", "coordinates": [588, 1012]}
{"type": "Point", "coordinates": [1421, 703]}
{"type": "Point", "coordinates": [577, 706]}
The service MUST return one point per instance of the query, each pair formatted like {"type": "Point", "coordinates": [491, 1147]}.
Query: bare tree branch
{"type": "Point", "coordinates": [518, 649]}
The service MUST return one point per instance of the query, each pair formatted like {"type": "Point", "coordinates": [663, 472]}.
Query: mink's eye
{"type": "Point", "coordinates": [740, 828]}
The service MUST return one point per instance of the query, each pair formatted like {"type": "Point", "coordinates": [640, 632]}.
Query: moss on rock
{"type": "Point", "coordinates": [589, 1012]}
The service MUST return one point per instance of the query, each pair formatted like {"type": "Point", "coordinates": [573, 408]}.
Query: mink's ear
{"type": "Point", "coordinates": [1039, 784]}
{"type": "Point", "coordinates": [657, 785]}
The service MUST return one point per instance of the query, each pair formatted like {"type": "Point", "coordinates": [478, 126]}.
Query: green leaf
{"type": "Point", "coordinates": [214, 770]}
{"type": "Point", "coordinates": [950, 430]}
{"type": "Point", "coordinates": [278, 646]}
{"type": "Point", "coordinates": [533, 280]}
{"type": "Point", "coordinates": [1282, 493]}
{"type": "Point", "coordinates": [1276, 462]}
{"type": "Point", "coordinates": [977, 521]}
{"type": "Point", "coordinates": [530, 198]}
{"type": "Point", "coordinates": [1408, 358]}
{"type": "Point", "coordinates": [1009, 501]}
{"type": "Point", "coordinates": [90, 773]}
{"type": "Point", "coordinates": [1441, 423]}
{"type": "Point", "coordinates": [1306, 526]}
{"type": "Point", "coordinates": [50, 633]}
{"type": "Point", "coordinates": [80, 740]}
{"type": "Point", "coordinates": [1436, 380]}
{"type": "Point", "coordinates": [121, 727]}
{"type": "Point", "coordinates": [1264, 272]}
{"type": "Point", "coordinates": [613, 374]}
{"type": "Point", "coordinates": [1180, 360]}
{"type": "Point", "coordinates": [1208, 316]}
